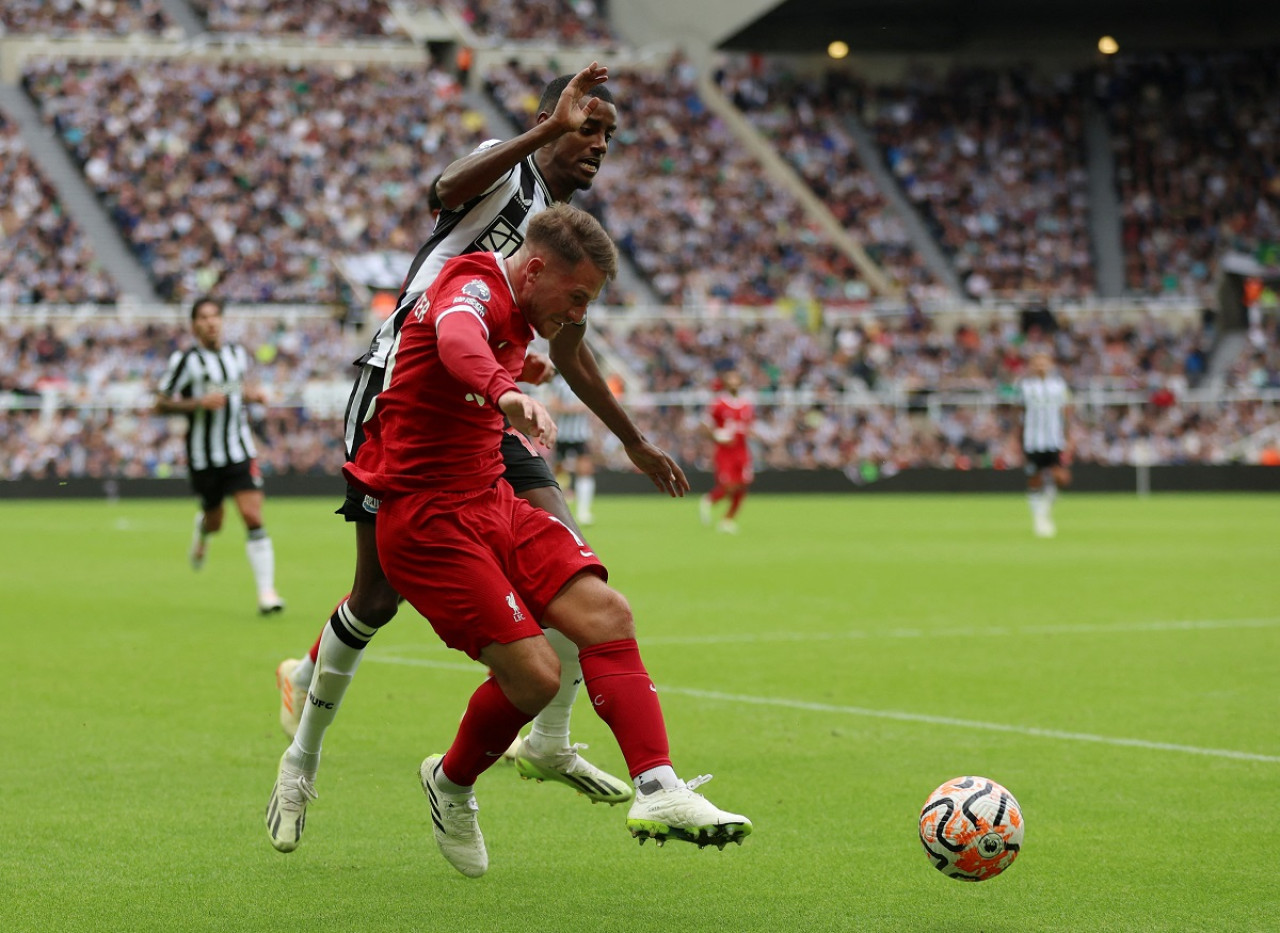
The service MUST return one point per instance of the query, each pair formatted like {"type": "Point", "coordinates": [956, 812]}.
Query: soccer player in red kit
{"type": "Point", "coordinates": [487, 568]}
{"type": "Point", "coordinates": [729, 421]}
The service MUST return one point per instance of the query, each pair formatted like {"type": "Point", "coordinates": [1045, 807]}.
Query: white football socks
{"type": "Point", "coordinates": [551, 726]}
{"type": "Point", "coordinates": [584, 494]}
{"type": "Point", "coordinates": [262, 560]}
{"type": "Point", "coordinates": [336, 664]}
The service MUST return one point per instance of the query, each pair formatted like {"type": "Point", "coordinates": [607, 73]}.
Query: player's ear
{"type": "Point", "coordinates": [533, 268]}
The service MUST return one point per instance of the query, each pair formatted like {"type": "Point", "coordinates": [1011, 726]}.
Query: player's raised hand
{"type": "Point", "coordinates": [575, 104]}
{"type": "Point", "coordinates": [528, 417]}
{"type": "Point", "coordinates": [659, 467]}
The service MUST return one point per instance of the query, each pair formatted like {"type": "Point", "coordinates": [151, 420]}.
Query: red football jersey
{"type": "Point", "coordinates": [437, 425]}
{"type": "Point", "coordinates": [736, 415]}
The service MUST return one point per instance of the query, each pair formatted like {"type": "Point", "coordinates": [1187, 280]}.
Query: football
{"type": "Point", "coordinates": [971, 828]}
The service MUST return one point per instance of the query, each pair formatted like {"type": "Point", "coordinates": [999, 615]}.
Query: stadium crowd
{"type": "Point", "coordinates": [865, 397]}
{"type": "Point", "coordinates": [44, 255]}
{"type": "Point", "coordinates": [1197, 149]}
{"type": "Point", "coordinates": [70, 17]}
{"type": "Point", "coordinates": [565, 23]}
{"type": "Point", "coordinates": [262, 176]}
{"type": "Point", "coordinates": [805, 118]}
{"type": "Point", "coordinates": [698, 215]}
{"type": "Point", "coordinates": [324, 21]}
{"type": "Point", "coordinates": [994, 160]}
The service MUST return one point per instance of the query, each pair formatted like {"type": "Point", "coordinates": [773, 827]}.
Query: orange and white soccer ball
{"type": "Point", "coordinates": [971, 828]}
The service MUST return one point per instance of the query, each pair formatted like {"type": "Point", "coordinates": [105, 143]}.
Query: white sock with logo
{"type": "Point", "coordinates": [551, 726]}
{"type": "Point", "coordinates": [336, 664]}
{"type": "Point", "coordinates": [662, 777]}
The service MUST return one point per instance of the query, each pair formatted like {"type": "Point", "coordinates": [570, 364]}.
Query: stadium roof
{"type": "Point", "coordinates": [957, 26]}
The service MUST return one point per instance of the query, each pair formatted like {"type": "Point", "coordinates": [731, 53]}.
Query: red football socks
{"type": "Point", "coordinates": [626, 699]}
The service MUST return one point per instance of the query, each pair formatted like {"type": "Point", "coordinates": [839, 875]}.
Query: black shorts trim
{"type": "Point", "coordinates": [216, 483]}
{"type": "Point", "coordinates": [566, 449]}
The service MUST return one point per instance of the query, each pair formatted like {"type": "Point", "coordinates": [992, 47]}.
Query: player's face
{"type": "Point", "coordinates": [574, 159]}
{"type": "Point", "coordinates": [558, 294]}
{"type": "Point", "coordinates": [207, 326]}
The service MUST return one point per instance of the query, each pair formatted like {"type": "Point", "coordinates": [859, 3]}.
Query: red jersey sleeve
{"type": "Point", "coordinates": [462, 339]}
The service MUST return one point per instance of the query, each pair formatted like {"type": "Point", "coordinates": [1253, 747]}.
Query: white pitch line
{"type": "Point", "coordinates": [1088, 628]}
{"type": "Point", "coordinates": [899, 715]}
{"type": "Point", "coordinates": [974, 724]}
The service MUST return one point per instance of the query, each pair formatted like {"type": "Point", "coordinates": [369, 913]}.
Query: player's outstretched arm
{"type": "Point", "coordinates": [473, 174]}
{"type": "Point", "coordinates": [575, 361]}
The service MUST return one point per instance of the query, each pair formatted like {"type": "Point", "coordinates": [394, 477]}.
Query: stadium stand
{"type": "Point", "coordinates": [256, 183]}
{"type": "Point", "coordinates": [319, 20]}
{"type": "Point", "coordinates": [695, 212]}
{"type": "Point", "coordinates": [72, 17]}
{"type": "Point", "coordinates": [806, 118]}
{"type": "Point", "coordinates": [44, 256]}
{"type": "Point", "coordinates": [258, 178]}
{"type": "Point", "coordinates": [1197, 145]}
{"type": "Point", "coordinates": [561, 22]}
{"type": "Point", "coordinates": [995, 159]}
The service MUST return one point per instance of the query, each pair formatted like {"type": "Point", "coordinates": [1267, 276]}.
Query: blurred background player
{"type": "Point", "coordinates": [1045, 402]}
{"type": "Point", "coordinates": [729, 421]}
{"type": "Point", "coordinates": [575, 465]}
{"type": "Point", "coordinates": [208, 384]}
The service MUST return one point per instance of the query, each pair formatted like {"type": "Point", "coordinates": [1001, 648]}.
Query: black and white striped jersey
{"type": "Point", "coordinates": [493, 222]}
{"type": "Point", "coordinates": [214, 438]}
{"type": "Point", "coordinates": [1043, 401]}
{"type": "Point", "coordinates": [572, 417]}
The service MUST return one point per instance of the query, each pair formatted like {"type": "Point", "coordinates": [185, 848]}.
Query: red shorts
{"type": "Point", "coordinates": [733, 466]}
{"type": "Point", "coordinates": [480, 566]}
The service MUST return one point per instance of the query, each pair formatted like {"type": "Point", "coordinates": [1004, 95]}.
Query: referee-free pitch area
{"type": "Point", "coordinates": [831, 664]}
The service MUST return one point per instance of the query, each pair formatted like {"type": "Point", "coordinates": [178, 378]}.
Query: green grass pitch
{"type": "Point", "coordinates": [831, 664]}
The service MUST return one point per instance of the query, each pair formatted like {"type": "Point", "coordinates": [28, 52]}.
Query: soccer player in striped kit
{"type": "Point", "coordinates": [208, 384]}
{"type": "Point", "coordinates": [1046, 402]}
{"type": "Point", "coordinates": [573, 448]}
{"type": "Point", "coordinates": [488, 198]}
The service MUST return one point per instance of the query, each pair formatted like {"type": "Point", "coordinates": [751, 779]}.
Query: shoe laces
{"type": "Point", "coordinates": [297, 790]}
{"type": "Point", "coordinates": [461, 813]}
{"type": "Point", "coordinates": [698, 781]}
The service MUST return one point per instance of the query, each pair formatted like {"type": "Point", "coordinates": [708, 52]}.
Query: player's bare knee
{"type": "Point", "coordinates": [531, 688]}
{"type": "Point", "coordinates": [614, 619]}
